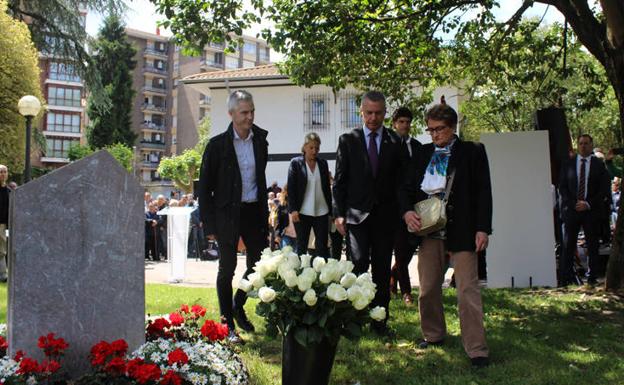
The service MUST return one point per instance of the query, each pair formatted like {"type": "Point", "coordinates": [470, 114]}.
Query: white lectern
{"type": "Point", "coordinates": [178, 219]}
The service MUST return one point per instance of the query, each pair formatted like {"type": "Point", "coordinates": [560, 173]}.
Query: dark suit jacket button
{"type": "Point", "coordinates": [450, 221]}
{"type": "Point", "coordinates": [449, 207]}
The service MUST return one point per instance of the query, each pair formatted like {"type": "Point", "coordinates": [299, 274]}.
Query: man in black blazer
{"type": "Point", "coordinates": [404, 244]}
{"type": "Point", "coordinates": [584, 189]}
{"type": "Point", "coordinates": [233, 201]}
{"type": "Point", "coordinates": [368, 169]}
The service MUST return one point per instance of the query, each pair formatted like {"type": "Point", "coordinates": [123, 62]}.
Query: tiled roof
{"type": "Point", "coordinates": [268, 71]}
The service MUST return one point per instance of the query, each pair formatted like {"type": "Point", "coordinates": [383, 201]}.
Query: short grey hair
{"type": "Point", "coordinates": [236, 97]}
{"type": "Point", "coordinates": [373, 96]}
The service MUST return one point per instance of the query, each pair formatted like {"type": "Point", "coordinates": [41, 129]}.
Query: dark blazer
{"type": "Point", "coordinates": [298, 180]}
{"type": "Point", "coordinates": [469, 207]}
{"type": "Point", "coordinates": [221, 186]}
{"type": "Point", "coordinates": [354, 184]}
{"type": "Point", "coordinates": [598, 188]}
{"type": "Point", "coordinates": [415, 145]}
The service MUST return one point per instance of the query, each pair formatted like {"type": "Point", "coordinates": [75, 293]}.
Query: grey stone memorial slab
{"type": "Point", "coordinates": [76, 260]}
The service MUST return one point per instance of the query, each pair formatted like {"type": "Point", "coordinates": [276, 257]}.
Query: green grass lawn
{"type": "Point", "coordinates": [541, 337]}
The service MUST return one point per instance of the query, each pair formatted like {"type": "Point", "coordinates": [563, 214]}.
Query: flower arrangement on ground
{"type": "Point", "coordinates": [21, 369]}
{"type": "Point", "coordinates": [188, 323]}
{"type": "Point", "coordinates": [311, 298]}
{"type": "Point", "coordinates": [183, 348]}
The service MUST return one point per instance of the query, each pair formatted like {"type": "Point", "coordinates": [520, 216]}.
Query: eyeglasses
{"type": "Point", "coordinates": [435, 130]}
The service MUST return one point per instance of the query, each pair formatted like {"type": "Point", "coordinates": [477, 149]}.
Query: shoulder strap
{"type": "Point", "coordinates": [449, 186]}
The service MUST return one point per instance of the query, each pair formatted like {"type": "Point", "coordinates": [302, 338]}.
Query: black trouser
{"type": "Point", "coordinates": [371, 244]}
{"type": "Point", "coordinates": [254, 236]}
{"type": "Point", "coordinates": [321, 233]}
{"type": "Point", "coordinates": [404, 249]}
{"type": "Point", "coordinates": [591, 228]}
{"type": "Point", "coordinates": [336, 245]}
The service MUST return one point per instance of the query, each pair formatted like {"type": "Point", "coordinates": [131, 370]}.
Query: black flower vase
{"type": "Point", "coordinates": [307, 365]}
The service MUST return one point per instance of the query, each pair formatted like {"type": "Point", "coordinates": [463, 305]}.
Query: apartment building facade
{"type": "Point", "coordinates": [166, 113]}
{"type": "Point", "coordinates": [63, 123]}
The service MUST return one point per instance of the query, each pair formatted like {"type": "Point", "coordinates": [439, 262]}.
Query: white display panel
{"type": "Point", "coordinates": [522, 246]}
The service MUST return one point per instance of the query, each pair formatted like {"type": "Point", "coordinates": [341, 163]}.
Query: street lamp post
{"type": "Point", "coordinates": [28, 107]}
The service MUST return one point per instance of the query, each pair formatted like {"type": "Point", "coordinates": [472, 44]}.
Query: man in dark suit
{"type": "Point", "coordinates": [469, 223]}
{"type": "Point", "coordinates": [404, 243]}
{"type": "Point", "coordinates": [584, 190]}
{"type": "Point", "coordinates": [233, 201]}
{"type": "Point", "coordinates": [368, 168]}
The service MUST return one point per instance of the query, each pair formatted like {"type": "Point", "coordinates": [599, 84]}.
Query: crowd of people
{"type": "Point", "coordinates": [366, 210]}
{"type": "Point", "coordinates": [156, 225]}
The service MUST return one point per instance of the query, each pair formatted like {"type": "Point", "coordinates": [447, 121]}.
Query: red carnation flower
{"type": "Point", "coordinates": [19, 355]}
{"type": "Point", "coordinates": [214, 331]}
{"type": "Point", "coordinates": [171, 378]}
{"type": "Point", "coordinates": [133, 365]}
{"type": "Point", "coordinates": [3, 343]}
{"type": "Point", "coordinates": [116, 366]}
{"type": "Point", "coordinates": [198, 310]}
{"type": "Point", "coordinates": [100, 353]}
{"type": "Point", "coordinates": [184, 308]}
{"type": "Point", "coordinates": [177, 356]}
{"type": "Point", "coordinates": [51, 366]}
{"type": "Point", "coordinates": [52, 346]}
{"type": "Point", "coordinates": [119, 347]}
{"type": "Point", "coordinates": [146, 373]}
{"type": "Point", "coordinates": [27, 366]}
{"type": "Point", "coordinates": [176, 319]}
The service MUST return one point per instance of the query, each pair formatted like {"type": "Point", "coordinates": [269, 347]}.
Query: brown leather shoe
{"type": "Point", "coordinates": [408, 299]}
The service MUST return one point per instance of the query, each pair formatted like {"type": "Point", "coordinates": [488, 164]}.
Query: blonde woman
{"type": "Point", "coordinates": [309, 200]}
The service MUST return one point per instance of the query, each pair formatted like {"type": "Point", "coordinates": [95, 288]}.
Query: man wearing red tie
{"type": "Point", "coordinates": [584, 190]}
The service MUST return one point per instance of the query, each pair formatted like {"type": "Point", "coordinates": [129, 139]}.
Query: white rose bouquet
{"type": "Point", "coordinates": [312, 298]}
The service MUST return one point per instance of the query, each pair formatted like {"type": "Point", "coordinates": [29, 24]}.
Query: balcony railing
{"type": "Point", "coordinates": [210, 63]}
{"type": "Point", "coordinates": [153, 126]}
{"type": "Point", "coordinates": [153, 144]}
{"type": "Point", "coordinates": [152, 165]}
{"type": "Point", "coordinates": [153, 69]}
{"type": "Point", "coordinates": [152, 107]}
{"type": "Point", "coordinates": [160, 90]}
{"type": "Point", "coordinates": [155, 52]}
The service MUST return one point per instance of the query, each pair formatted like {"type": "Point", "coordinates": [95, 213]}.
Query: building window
{"type": "Point", "coordinates": [265, 54]}
{"type": "Point", "coordinates": [218, 58]}
{"type": "Point", "coordinates": [249, 48]}
{"type": "Point", "coordinates": [63, 71]}
{"type": "Point", "coordinates": [61, 122]}
{"type": "Point", "coordinates": [350, 111]}
{"type": "Point", "coordinates": [59, 96]}
{"type": "Point", "coordinates": [231, 62]}
{"type": "Point", "coordinates": [59, 148]}
{"type": "Point", "coordinates": [316, 111]}
{"type": "Point", "coordinates": [248, 63]}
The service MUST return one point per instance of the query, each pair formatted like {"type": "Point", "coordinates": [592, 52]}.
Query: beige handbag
{"type": "Point", "coordinates": [432, 211]}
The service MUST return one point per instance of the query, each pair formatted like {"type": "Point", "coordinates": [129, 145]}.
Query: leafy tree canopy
{"type": "Point", "coordinates": [58, 28]}
{"type": "Point", "coordinates": [182, 169]}
{"type": "Point", "coordinates": [113, 57]}
{"type": "Point", "coordinates": [19, 76]}
{"type": "Point", "coordinates": [119, 151]}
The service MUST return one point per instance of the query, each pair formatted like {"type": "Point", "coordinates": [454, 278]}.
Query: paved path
{"type": "Point", "coordinates": [204, 273]}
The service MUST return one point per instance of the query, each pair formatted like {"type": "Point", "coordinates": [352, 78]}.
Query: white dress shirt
{"type": "Point", "coordinates": [247, 166]}
{"type": "Point", "coordinates": [313, 204]}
